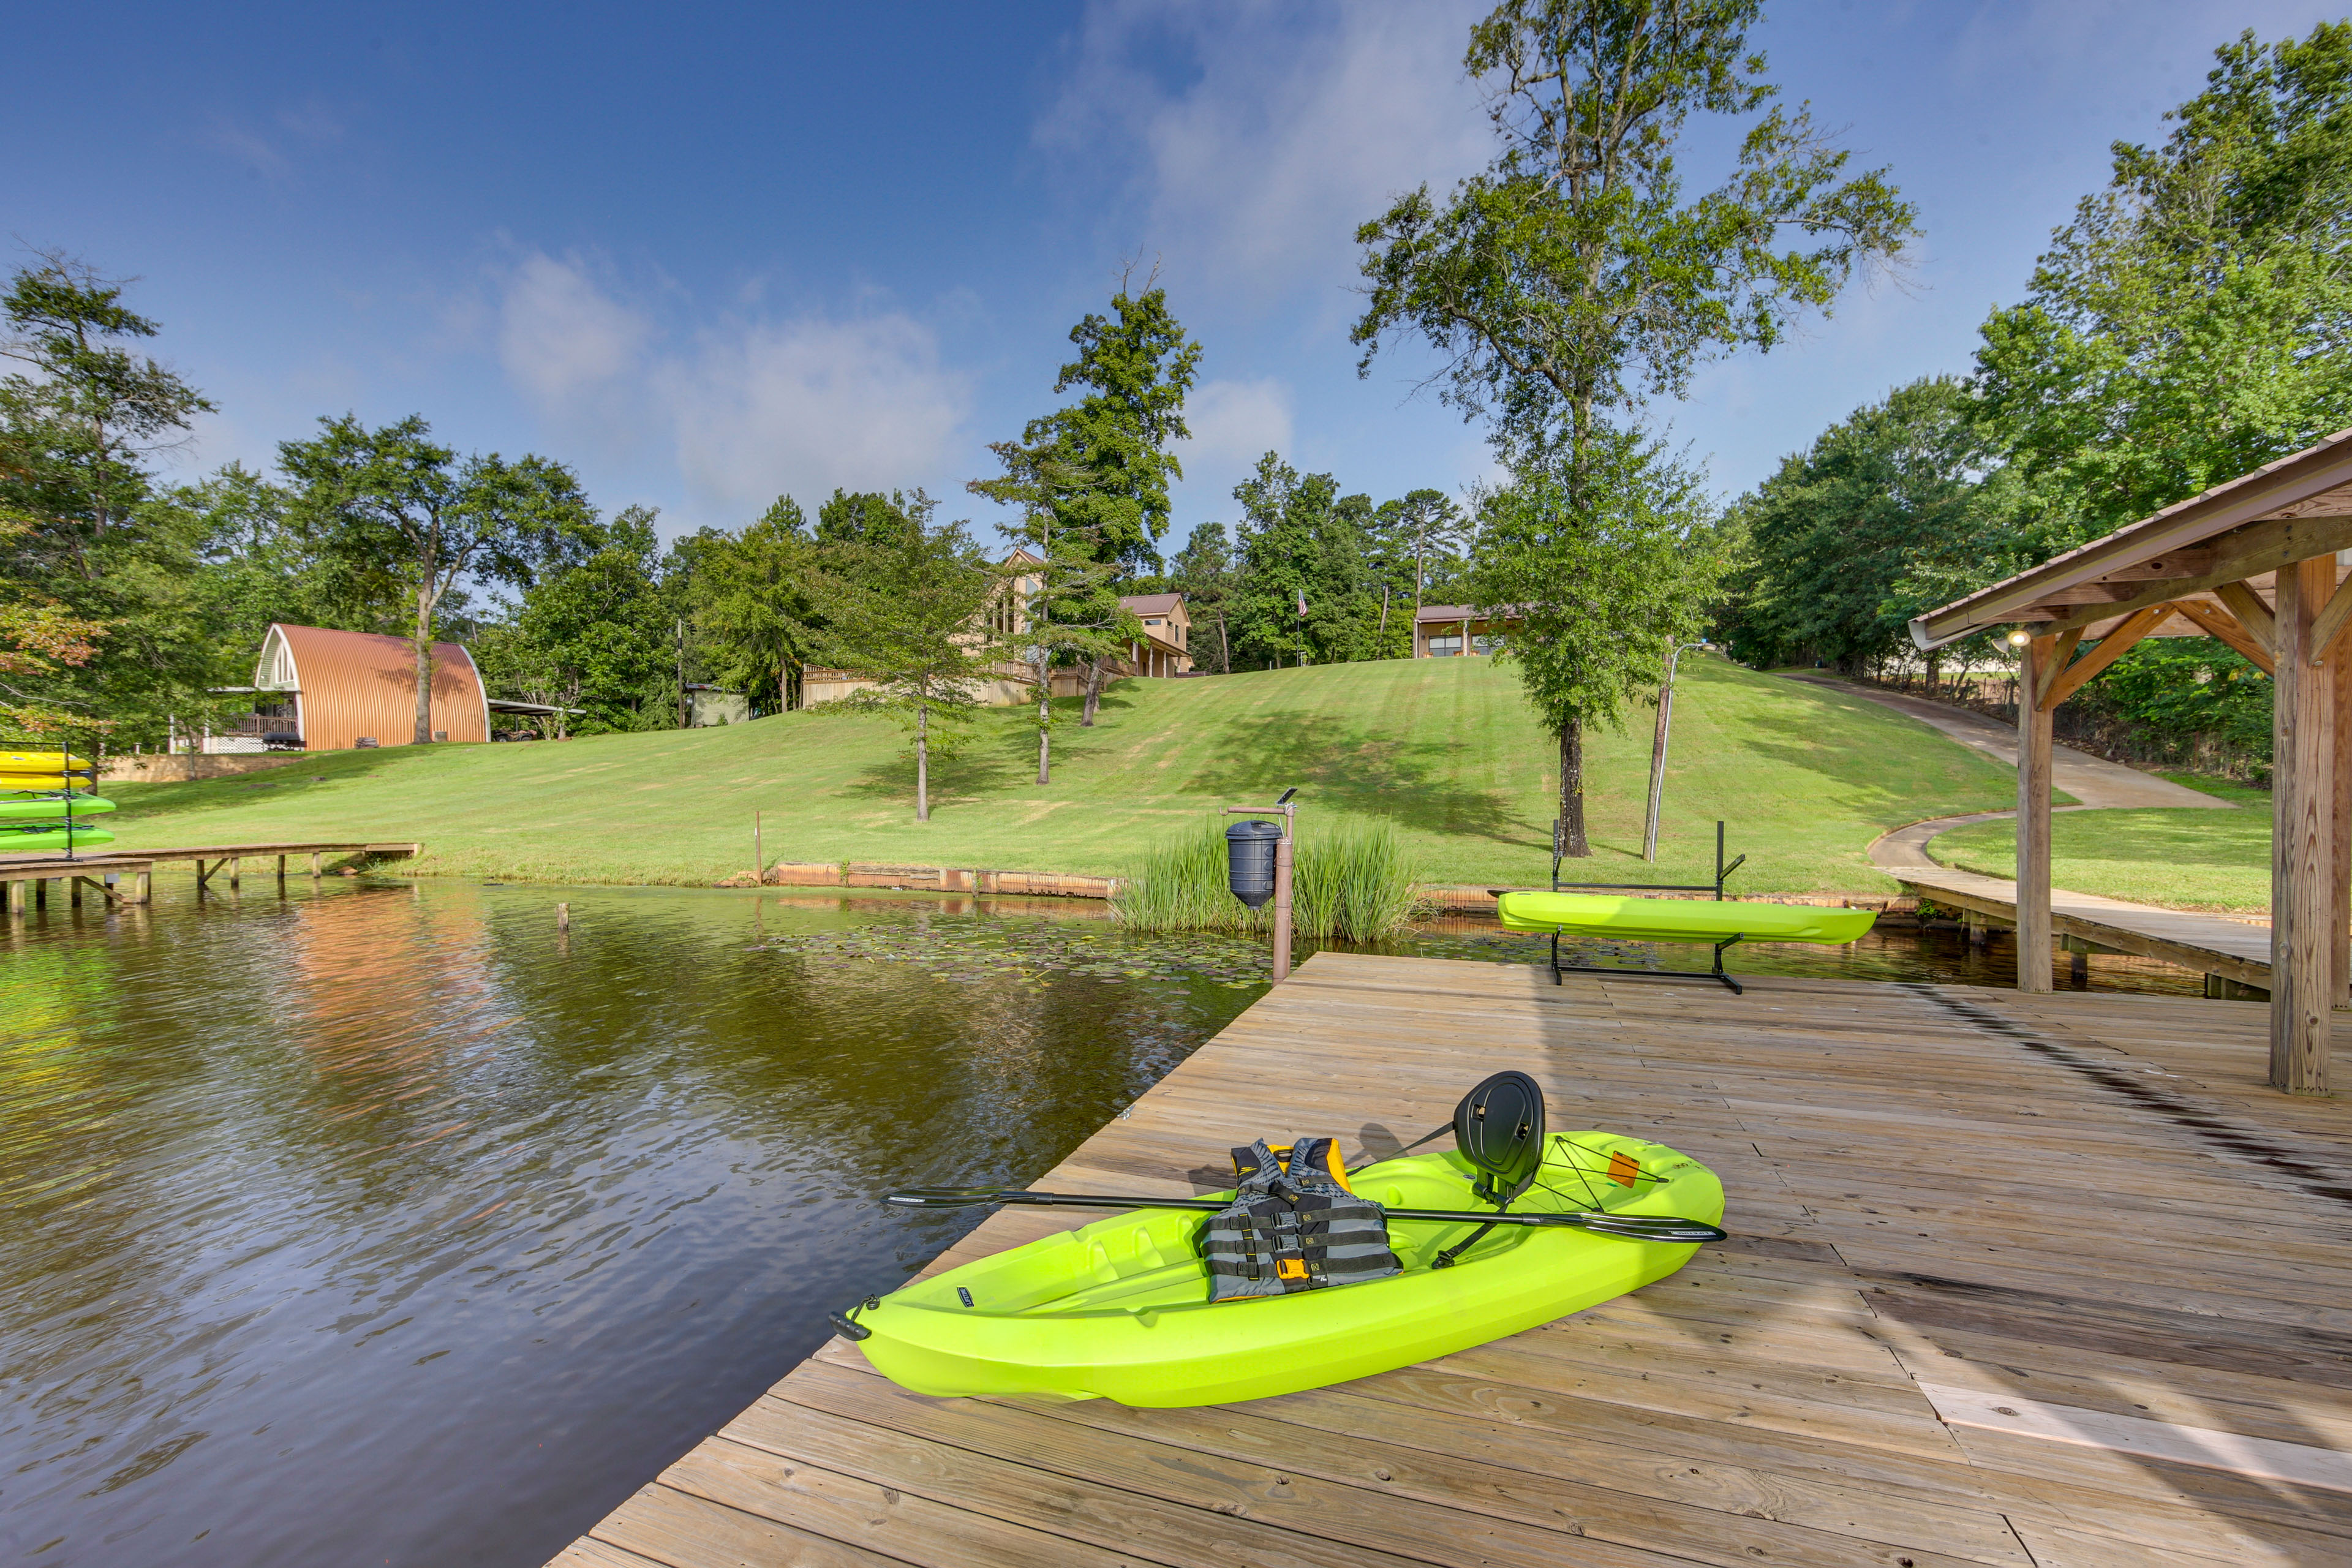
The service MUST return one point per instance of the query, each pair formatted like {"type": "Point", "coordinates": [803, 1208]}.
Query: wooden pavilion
{"type": "Point", "coordinates": [2261, 563]}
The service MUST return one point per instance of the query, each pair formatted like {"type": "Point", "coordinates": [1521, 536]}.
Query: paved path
{"type": "Point", "coordinates": [2093, 781]}
{"type": "Point", "coordinates": [2213, 945]}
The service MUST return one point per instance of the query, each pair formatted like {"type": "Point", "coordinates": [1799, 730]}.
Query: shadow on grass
{"type": "Point", "coordinates": [1359, 770]}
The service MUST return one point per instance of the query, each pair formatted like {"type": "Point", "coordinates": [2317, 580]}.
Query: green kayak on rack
{"type": "Point", "coordinates": [38, 808]}
{"type": "Point", "coordinates": [1679, 919]}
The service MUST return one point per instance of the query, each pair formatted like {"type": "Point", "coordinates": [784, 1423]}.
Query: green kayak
{"type": "Point", "coordinates": [1120, 1309]}
{"type": "Point", "coordinates": [1678, 920]}
{"type": "Point", "coordinates": [43, 808]}
{"type": "Point", "coordinates": [31, 837]}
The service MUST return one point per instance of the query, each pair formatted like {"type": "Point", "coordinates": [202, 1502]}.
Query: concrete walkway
{"type": "Point", "coordinates": [2210, 943]}
{"type": "Point", "coordinates": [2093, 781]}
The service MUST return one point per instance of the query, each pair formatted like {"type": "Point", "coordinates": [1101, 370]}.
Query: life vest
{"type": "Point", "coordinates": [1293, 1225]}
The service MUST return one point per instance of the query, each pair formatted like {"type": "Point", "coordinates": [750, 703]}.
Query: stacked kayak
{"type": "Point", "coordinates": [1120, 1310]}
{"type": "Point", "coordinates": [46, 801]}
{"type": "Point", "coordinates": [1678, 919]}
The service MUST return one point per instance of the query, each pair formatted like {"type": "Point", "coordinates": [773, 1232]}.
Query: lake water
{"type": "Point", "coordinates": [383, 1224]}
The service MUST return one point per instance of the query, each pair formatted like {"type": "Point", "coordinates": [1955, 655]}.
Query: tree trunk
{"type": "Point", "coordinates": [1381, 642]}
{"type": "Point", "coordinates": [1094, 692]}
{"type": "Point", "coordinates": [922, 762]}
{"type": "Point", "coordinates": [1224, 650]}
{"type": "Point", "coordinates": [1571, 787]}
{"type": "Point", "coordinates": [425, 664]}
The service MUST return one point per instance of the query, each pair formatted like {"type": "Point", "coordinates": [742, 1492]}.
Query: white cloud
{"type": "Point", "coordinates": [753, 408]}
{"type": "Point", "coordinates": [1234, 423]}
{"type": "Point", "coordinates": [1297, 126]}
{"type": "Point", "coordinates": [561, 339]}
{"type": "Point", "coordinates": [811, 404]}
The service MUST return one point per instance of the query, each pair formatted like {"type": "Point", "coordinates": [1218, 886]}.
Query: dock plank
{"type": "Point", "coordinates": [1930, 1185]}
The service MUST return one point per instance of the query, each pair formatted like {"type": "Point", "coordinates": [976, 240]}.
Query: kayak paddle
{"type": "Point", "coordinates": [1632, 1226]}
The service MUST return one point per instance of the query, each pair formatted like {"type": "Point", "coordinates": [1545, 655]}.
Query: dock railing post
{"type": "Point", "coordinates": [1282, 895]}
{"type": "Point", "coordinates": [1282, 868]}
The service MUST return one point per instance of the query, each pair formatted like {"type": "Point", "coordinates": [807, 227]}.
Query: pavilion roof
{"type": "Point", "coordinates": [2295, 508]}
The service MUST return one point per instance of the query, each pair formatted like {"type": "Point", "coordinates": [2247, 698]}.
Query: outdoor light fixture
{"type": "Point", "coordinates": [2020, 639]}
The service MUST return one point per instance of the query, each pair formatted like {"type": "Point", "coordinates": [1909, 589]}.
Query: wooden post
{"type": "Point", "coordinates": [563, 917]}
{"type": "Point", "coordinates": [235, 872]}
{"type": "Point", "coordinates": [2303, 856]}
{"type": "Point", "coordinates": [759, 860]}
{"type": "Point", "coordinates": [16, 897]}
{"type": "Point", "coordinates": [2036, 668]}
{"type": "Point", "coordinates": [141, 887]}
{"type": "Point", "coordinates": [2339, 882]}
{"type": "Point", "coordinates": [281, 871]}
{"type": "Point", "coordinates": [73, 891]}
{"type": "Point", "coordinates": [41, 893]}
{"type": "Point", "coordinates": [318, 864]}
{"type": "Point", "coordinates": [1281, 904]}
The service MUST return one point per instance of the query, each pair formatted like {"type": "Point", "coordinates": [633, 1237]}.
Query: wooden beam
{"type": "Point", "coordinates": [2303, 856]}
{"type": "Point", "coordinates": [2249, 553]}
{"type": "Point", "coordinates": [2040, 657]}
{"type": "Point", "coordinates": [2110, 648]}
{"type": "Point", "coordinates": [2219, 624]}
{"type": "Point", "coordinates": [2059, 656]}
{"type": "Point", "coordinates": [2331, 620]}
{"type": "Point", "coordinates": [2222, 521]}
{"type": "Point", "coordinates": [2241, 600]}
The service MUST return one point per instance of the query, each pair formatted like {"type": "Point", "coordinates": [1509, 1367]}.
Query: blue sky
{"type": "Point", "coordinates": [708, 254]}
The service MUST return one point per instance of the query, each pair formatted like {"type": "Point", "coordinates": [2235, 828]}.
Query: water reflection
{"type": "Point", "coordinates": [383, 1224]}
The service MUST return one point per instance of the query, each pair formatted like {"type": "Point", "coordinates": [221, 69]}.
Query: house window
{"type": "Point", "coordinates": [1447, 646]}
{"type": "Point", "coordinates": [1487, 643]}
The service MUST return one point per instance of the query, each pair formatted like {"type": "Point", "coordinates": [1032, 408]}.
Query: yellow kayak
{"type": "Point", "coordinates": [1679, 919]}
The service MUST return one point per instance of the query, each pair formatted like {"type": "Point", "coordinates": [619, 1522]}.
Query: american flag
{"type": "Point", "coordinates": [1302, 603]}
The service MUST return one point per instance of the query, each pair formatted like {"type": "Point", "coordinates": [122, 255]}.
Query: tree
{"type": "Point", "coordinates": [1302, 544]}
{"type": "Point", "coordinates": [1204, 576]}
{"type": "Point", "coordinates": [1842, 539]}
{"type": "Point", "coordinates": [81, 417]}
{"type": "Point", "coordinates": [749, 601]}
{"type": "Point", "coordinates": [1571, 279]}
{"type": "Point", "coordinates": [1417, 538]}
{"type": "Point", "coordinates": [908, 614]}
{"type": "Point", "coordinates": [1599, 583]}
{"type": "Point", "coordinates": [594, 628]}
{"type": "Point", "coordinates": [392, 502]}
{"type": "Point", "coordinates": [1091, 482]}
{"type": "Point", "coordinates": [2191, 323]}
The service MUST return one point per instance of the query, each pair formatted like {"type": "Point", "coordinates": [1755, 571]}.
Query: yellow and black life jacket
{"type": "Point", "coordinates": [1293, 1225]}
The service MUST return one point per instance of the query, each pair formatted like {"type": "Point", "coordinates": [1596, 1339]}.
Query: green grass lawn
{"type": "Point", "coordinates": [1444, 748]}
{"type": "Point", "coordinates": [2187, 858]}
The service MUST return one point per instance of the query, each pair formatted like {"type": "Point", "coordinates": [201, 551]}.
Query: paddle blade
{"type": "Point", "coordinates": [1650, 1227]}
{"type": "Point", "coordinates": [1499, 1128]}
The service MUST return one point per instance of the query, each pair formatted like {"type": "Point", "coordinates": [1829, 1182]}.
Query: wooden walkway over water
{"type": "Point", "coordinates": [26, 877]}
{"type": "Point", "coordinates": [2045, 1281]}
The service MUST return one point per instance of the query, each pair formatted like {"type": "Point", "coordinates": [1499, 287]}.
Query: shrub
{"type": "Point", "coordinates": [1351, 879]}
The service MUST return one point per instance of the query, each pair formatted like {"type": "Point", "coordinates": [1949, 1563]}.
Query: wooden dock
{"type": "Point", "coordinates": [2044, 1280]}
{"type": "Point", "coordinates": [26, 877]}
{"type": "Point", "coordinates": [2231, 950]}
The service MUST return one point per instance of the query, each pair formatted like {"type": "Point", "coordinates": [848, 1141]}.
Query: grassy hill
{"type": "Point", "coordinates": [1444, 748]}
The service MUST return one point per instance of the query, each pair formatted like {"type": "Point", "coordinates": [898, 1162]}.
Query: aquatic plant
{"type": "Point", "coordinates": [1351, 878]}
